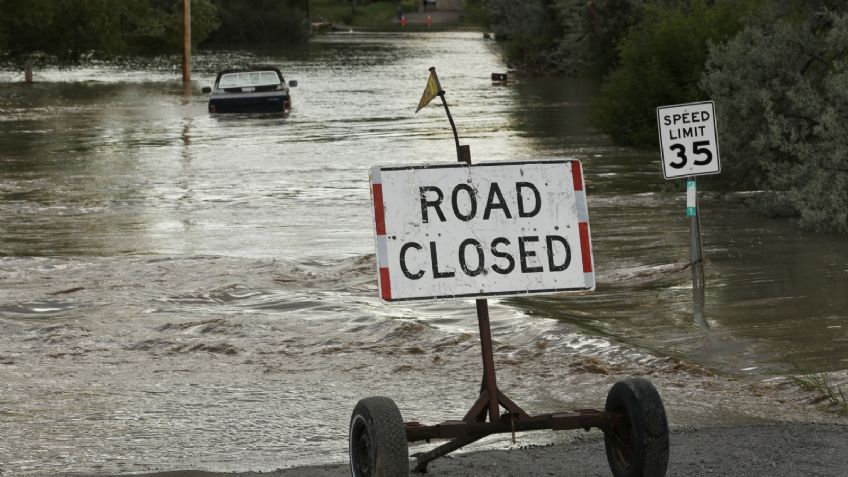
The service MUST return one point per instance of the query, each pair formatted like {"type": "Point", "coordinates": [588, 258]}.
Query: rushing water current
{"type": "Point", "coordinates": [185, 290]}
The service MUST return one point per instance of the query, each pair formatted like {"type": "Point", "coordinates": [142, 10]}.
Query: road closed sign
{"type": "Point", "coordinates": [688, 142]}
{"type": "Point", "coordinates": [489, 229]}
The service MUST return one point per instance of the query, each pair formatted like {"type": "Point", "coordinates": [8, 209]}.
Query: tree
{"type": "Point", "coordinates": [69, 30]}
{"type": "Point", "coordinates": [781, 92]}
{"type": "Point", "coordinates": [661, 62]}
{"type": "Point", "coordinates": [65, 29]}
{"type": "Point", "coordinates": [591, 32]}
{"type": "Point", "coordinates": [261, 21]}
{"type": "Point", "coordinates": [156, 26]}
{"type": "Point", "coordinates": [572, 37]}
{"type": "Point", "coordinates": [529, 31]}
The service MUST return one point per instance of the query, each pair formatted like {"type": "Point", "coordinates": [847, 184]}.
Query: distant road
{"type": "Point", "coordinates": [778, 450]}
{"type": "Point", "coordinates": [438, 16]}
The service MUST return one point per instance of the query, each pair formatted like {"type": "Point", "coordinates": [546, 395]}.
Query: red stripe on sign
{"type": "Point", "coordinates": [584, 247]}
{"type": "Point", "coordinates": [577, 176]}
{"type": "Point", "coordinates": [379, 217]}
{"type": "Point", "coordinates": [385, 284]}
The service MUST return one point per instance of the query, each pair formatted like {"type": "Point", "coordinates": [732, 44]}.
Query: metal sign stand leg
{"type": "Point", "coordinates": [490, 385]}
{"type": "Point", "coordinates": [488, 403]}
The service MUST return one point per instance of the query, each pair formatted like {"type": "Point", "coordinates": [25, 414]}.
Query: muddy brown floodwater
{"type": "Point", "coordinates": [180, 290]}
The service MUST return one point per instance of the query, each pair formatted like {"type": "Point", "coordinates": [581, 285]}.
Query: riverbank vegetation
{"type": "Point", "coordinates": [258, 22]}
{"type": "Point", "coordinates": [70, 31]}
{"type": "Point", "coordinates": [361, 14]}
{"type": "Point", "coordinates": [828, 393]}
{"type": "Point", "coordinates": [385, 14]}
{"type": "Point", "coordinates": [777, 71]}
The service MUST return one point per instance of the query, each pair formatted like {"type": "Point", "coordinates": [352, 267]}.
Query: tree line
{"type": "Point", "coordinates": [73, 30]}
{"type": "Point", "coordinates": [777, 71]}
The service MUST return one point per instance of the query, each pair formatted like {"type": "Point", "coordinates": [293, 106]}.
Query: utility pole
{"type": "Point", "coordinates": [186, 41]}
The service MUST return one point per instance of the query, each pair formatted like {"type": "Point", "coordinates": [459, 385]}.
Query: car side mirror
{"type": "Point", "coordinates": [292, 83]}
{"type": "Point", "coordinates": [206, 90]}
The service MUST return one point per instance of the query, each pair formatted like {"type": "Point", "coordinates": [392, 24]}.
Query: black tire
{"type": "Point", "coordinates": [377, 439]}
{"type": "Point", "coordinates": [639, 446]}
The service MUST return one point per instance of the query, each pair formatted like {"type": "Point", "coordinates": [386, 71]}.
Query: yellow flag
{"type": "Point", "coordinates": [431, 91]}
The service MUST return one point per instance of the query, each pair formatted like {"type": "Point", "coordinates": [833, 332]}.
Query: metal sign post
{"type": "Point", "coordinates": [689, 147]}
{"type": "Point", "coordinates": [696, 255]}
{"type": "Point", "coordinates": [494, 229]}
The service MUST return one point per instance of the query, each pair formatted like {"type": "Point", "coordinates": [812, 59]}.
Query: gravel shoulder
{"type": "Point", "coordinates": [775, 450]}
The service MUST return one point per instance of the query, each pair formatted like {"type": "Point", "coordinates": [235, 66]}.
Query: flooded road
{"type": "Point", "coordinates": [184, 290]}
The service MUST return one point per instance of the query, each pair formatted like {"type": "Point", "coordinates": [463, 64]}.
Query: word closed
{"type": "Point", "coordinates": [688, 142]}
{"type": "Point", "coordinates": [454, 230]}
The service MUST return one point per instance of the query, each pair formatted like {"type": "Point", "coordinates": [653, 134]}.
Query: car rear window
{"type": "Point", "coordinates": [249, 78]}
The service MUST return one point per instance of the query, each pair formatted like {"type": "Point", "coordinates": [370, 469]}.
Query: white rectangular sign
{"type": "Point", "coordinates": [688, 142]}
{"type": "Point", "coordinates": [456, 231]}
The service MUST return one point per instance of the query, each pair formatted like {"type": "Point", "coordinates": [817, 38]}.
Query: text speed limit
{"type": "Point", "coordinates": [688, 142]}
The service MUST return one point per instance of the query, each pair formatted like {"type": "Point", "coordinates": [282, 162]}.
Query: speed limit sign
{"type": "Point", "coordinates": [688, 142]}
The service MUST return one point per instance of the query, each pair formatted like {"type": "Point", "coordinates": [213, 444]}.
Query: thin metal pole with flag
{"type": "Point", "coordinates": [433, 89]}
{"type": "Point", "coordinates": [490, 397]}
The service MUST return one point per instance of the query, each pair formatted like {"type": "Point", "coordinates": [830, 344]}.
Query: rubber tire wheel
{"type": "Point", "coordinates": [639, 447]}
{"type": "Point", "coordinates": [377, 439]}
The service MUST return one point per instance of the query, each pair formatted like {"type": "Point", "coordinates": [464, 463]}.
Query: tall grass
{"type": "Point", "coordinates": [830, 394]}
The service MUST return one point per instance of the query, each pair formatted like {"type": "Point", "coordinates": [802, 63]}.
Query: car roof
{"type": "Point", "coordinates": [249, 68]}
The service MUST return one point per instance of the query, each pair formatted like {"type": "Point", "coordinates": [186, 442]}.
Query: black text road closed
{"type": "Point", "coordinates": [453, 230]}
{"type": "Point", "coordinates": [688, 142]}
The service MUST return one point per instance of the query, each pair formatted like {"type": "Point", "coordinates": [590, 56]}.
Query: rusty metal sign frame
{"type": "Point", "coordinates": [475, 426]}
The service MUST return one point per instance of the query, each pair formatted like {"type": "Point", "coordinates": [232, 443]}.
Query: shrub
{"type": "Point", "coordinates": [781, 90]}
{"type": "Point", "coordinates": [260, 21]}
{"type": "Point", "coordinates": [71, 30]}
{"type": "Point", "coordinates": [661, 62]}
{"type": "Point", "coordinates": [529, 31]}
{"type": "Point", "coordinates": [591, 32]}
{"type": "Point", "coordinates": [573, 37]}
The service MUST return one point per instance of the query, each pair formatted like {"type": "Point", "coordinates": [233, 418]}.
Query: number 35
{"type": "Point", "coordinates": [698, 147]}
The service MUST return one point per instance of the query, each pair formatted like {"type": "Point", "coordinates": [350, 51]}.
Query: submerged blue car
{"type": "Point", "coordinates": [250, 90]}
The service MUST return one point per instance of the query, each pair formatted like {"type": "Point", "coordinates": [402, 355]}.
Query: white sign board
{"type": "Point", "coordinates": [489, 229]}
{"type": "Point", "coordinates": [688, 140]}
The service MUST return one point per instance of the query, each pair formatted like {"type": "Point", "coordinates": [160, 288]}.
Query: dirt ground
{"type": "Point", "coordinates": [775, 450]}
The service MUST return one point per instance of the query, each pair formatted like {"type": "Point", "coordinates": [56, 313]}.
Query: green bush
{"type": "Point", "coordinates": [529, 32]}
{"type": "Point", "coordinates": [260, 21]}
{"type": "Point", "coordinates": [71, 30]}
{"type": "Point", "coordinates": [156, 26]}
{"type": "Point", "coordinates": [781, 89]}
{"type": "Point", "coordinates": [591, 33]}
{"type": "Point", "coordinates": [572, 37]}
{"type": "Point", "coordinates": [661, 62]}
